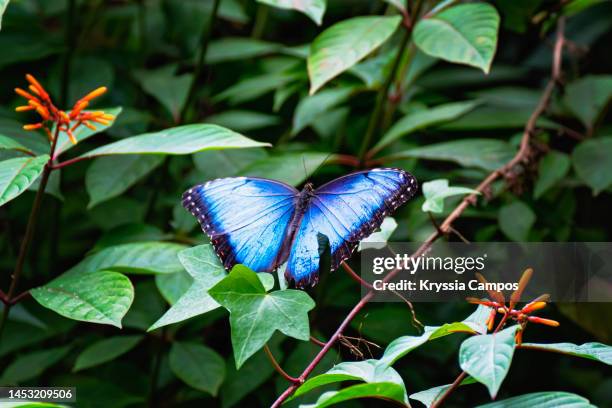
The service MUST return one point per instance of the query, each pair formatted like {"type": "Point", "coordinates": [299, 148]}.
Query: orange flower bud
{"type": "Point", "coordinates": [71, 136]}
{"type": "Point", "coordinates": [64, 116]}
{"type": "Point", "coordinates": [78, 107]}
{"type": "Point", "coordinates": [491, 319]}
{"type": "Point", "coordinates": [89, 125]}
{"type": "Point", "coordinates": [32, 126]}
{"type": "Point", "coordinates": [518, 337]}
{"type": "Point", "coordinates": [24, 108]}
{"type": "Point", "coordinates": [49, 134]}
{"type": "Point", "coordinates": [533, 306]}
{"type": "Point", "coordinates": [26, 95]}
{"type": "Point", "coordinates": [547, 322]}
{"type": "Point", "coordinates": [37, 85]}
{"type": "Point", "coordinates": [94, 94]}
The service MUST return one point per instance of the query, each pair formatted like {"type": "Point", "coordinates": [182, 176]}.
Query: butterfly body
{"type": "Point", "coordinates": [264, 223]}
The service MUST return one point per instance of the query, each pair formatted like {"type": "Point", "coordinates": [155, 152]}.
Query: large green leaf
{"type": "Point", "coordinates": [465, 34]}
{"type": "Point", "coordinates": [3, 5]}
{"type": "Point", "coordinates": [238, 48]}
{"type": "Point", "coordinates": [515, 220]}
{"type": "Point", "coordinates": [185, 139]}
{"type": "Point", "coordinates": [137, 257]}
{"type": "Point", "coordinates": [588, 97]}
{"type": "Point", "coordinates": [435, 191]}
{"type": "Point", "coordinates": [382, 390]}
{"type": "Point", "coordinates": [204, 266]}
{"type": "Point", "coordinates": [474, 323]}
{"type": "Point", "coordinates": [17, 174]}
{"type": "Point", "coordinates": [594, 351]}
{"type": "Point", "coordinates": [11, 144]}
{"type": "Point", "coordinates": [226, 163]}
{"type": "Point", "coordinates": [243, 120]}
{"type": "Point", "coordinates": [82, 132]}
{"type": "Point", "coordinates": [431, 395]}
{"type": "Point", "coordinates": [312, 107]}
{"type": "Point", "coordinates": [549, 399]}
{"type": "Point", "coordinates": [420, 119]}
{"type": "Point", "coordinates": [312, 8]}
{"type": "Point", "coordinates": [344, 44]}
{"type": "Point", "coordinates": [101, 297]}
{"type": "Point", "coordinates": [592, 160]}
{"type": "Point", "coordinates": [487, 154]}
{"type": "Point", "coordinates": [110, 176]}
{"type": "Point", "coordinates": [487, 357]}
{"type": "Point", "coordinates": [255, 314]}
{"type": "Point", "coordinates": [105, 350]}
{"type": "Point", "coordinates": [198, 366]}
{"type": "Point", "coordinates": [32, 365]}
{"type": "Point", "coordinates": [552, 168]}
{"type": "Point", "coordinates": [168, 88]}
{"type": "Point", "coordinates": [292, 168]}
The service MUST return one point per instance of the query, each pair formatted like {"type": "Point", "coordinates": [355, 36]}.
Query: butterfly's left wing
{"type": "Point", "coordinates": [346, 210]}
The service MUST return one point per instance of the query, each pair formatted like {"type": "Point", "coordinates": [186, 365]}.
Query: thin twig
{"type": "Point", "coordinates": [317, 341]}
{"type": "Point", "coordinates": [355, 276]}
{"type": "Point", "coordinates": [520, 157]}
{"type": "Point", "coordinates": [278, 368]}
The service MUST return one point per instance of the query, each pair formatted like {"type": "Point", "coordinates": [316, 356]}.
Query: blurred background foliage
{"type": "Point", "coordinates": [254, 81]}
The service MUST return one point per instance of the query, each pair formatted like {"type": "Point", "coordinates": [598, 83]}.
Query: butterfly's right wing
{"type": "Point", "coordinates": [246, 218]}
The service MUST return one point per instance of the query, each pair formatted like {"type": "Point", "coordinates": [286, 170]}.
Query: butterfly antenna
{"type": "Point", "coordinates": [322, 163]}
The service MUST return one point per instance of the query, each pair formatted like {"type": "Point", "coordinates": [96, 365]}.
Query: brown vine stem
{"type": "Point", "coordinates": [29, 234]}
{"type": "Point", "coordinates": [520, 157]}
{"type": "Point", "coordinates": [278, 368]}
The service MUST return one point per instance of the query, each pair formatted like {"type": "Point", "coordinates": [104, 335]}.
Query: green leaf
{"type": "Point", "coordinates": [137, 258]}
{"type": "Point", "coordinates": [515, 220]}
{"type": "Point", "coordinates": [592, 160]}
{"type": "Point", "coordinates": [197, 366]}
{"type": "Point", "coordinates": [487, 154]}
{"type": "Point", "coordinates": [110, 176]}
{"type": "Point", "coordinates": [436, 191]}
{"type": "Point", "coordinates": [16, 175]}
{"type": "Point", "coordinates": [431, 395]}
{"type": "Point", "coordinates": [3, 5]}
{"type": "Point", "coordinates": [385, 391]}
{"type": "Point", "coordinates": [255, 315]}
{"type": "Point", "coordinates": [185, 139]}
{"type": "Point", "coordinates": [421, 119]}
{"type": "Point", "coordinates": [495, 117]}
{"type": "Point", "coordinates": [344, 44]}
{"type": "Point", "coordinates": [594, 351]}
{"type": "Point", "coordinates": [292, 168]}
{"type": "Point", "coordinates": [312, 8]}
{"type": "Point", "coordinates": [254, 87]}
{"type": "Point", "coordinates": [82, 132]}
{"type": "Point", "coordinates": [398, 348]}
{"type": "Point", "coordinates": [243, 120]}
{"type": "Point", "coordinates": [101, 297]}
{"type": "Point", "coordinates": [550, 399]}
{"type": "Point", "coordinates": [225, 163]}
{"type": "Point", "coordinates": [464, 34]}
{"type": "Point", "coordinates": [105, 350]}
{"type": "Point", "coordinates": [173, 285]}
{"type": "Point", "coordinates": [587, 97]}
{"type": "Point", "coordinates": [204, 266]}
{"type": "Point", "coordinates": [32, 365]}
{"type": "Point", "coordinates": [9, 143]}
{"type": "Point", "coordinates": [552, 168]}
{"type": "Point", "coordinates": [399, 4]}
{"type": "Point", "coordinates": [312, 107]}
{"type": "Point", "coordinates": [369, 371]}
{"type": "Point", "coordinates": [487, 357]}
{"type": "Point", "coordinates": [379, 239]}
{"type": "Point", "coordinates": [168, 88]}
{"type": "Point", "coordinates": [238, 48]}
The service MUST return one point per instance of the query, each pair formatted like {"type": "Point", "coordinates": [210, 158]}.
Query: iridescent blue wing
{"type": "Point", "coordinates": [346, 210]}
{"type": "Point", "coordinates": [246, 218]}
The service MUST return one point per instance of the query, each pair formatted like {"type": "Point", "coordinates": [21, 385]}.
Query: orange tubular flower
{"type": "Point", "coordinates": [547, 322]}
{"type": "Point", "coordinates": [40, 101]}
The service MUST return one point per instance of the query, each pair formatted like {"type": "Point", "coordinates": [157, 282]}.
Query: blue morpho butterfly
{"type": "Point", "coordinates": [264, 223]}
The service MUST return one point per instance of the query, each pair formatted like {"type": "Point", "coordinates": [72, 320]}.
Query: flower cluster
{"type": "Point", "coordinates": [508, 311]}
{"type": "Point", "coordinates": [40, 101]}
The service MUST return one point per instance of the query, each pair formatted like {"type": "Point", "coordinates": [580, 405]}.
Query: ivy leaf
{"type": "Point", "coordinates": [593, 351]}
{"type": "Point", "coordinates": [552, 168]}
{"type": "Point", "coordinates": [105, 350]}
{"type": "Point", "coordinates": [185, 139]}
{"type": "Point", "coordinates": [487, 357]}
{"type": "Point", "coordinates": [346, 43]}
{"type": "Point", "coordinates": [17, 174]}
{"type": "Point", "coordinates": [198, 366]}
{"type": "Point", "coordinates": [204, 266]}
{"type": "Point", "coordinates": [515, 220]}
{"type": "Point", "coordinates": [464, 34]}
{"type": "Point", "coordinates": [101, 297]}
{"type": "Point", "coordinates": [436, 191]}
{"type": "Point", "coordinates": [550, 399]}
{"type": "Point", "coordinates": [592, 160]}
{"type": "Point", "coordinates": [108, 177]}
{"type": "Point", "coordinates": [386, 391]}
{"type": "Point", "coordinates": [255, 315]}
{"type": "Point", "coordinates": [588, 97]}
{"type": "Point", "coordinates": [312, 8]}
{"type": "Point", "coordinates": [420, 119]}
{"type": "Point", "coordinates": [398, 348]}
{"type": "Point", "coordinates": [137, 258]}
{"type": "Point", "coordinates": [431, 395]}
{"type": "Point", "coordinates": [486, 154]}
{"type": "Point", "coordinates": [378, 240]}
